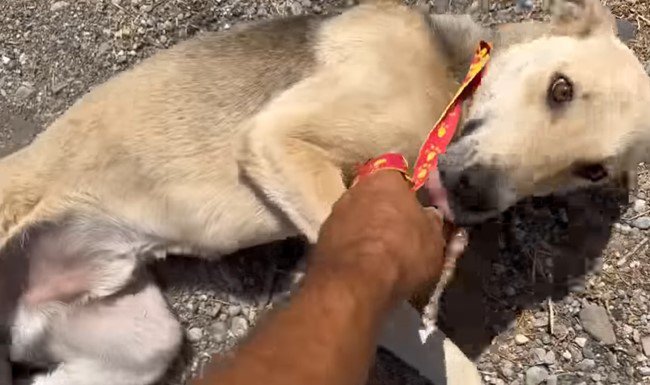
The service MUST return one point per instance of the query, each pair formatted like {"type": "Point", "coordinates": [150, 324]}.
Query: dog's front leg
{"type": "Point", "coordinates": [297, 176]}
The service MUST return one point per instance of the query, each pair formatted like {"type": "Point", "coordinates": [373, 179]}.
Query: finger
{"type": "Point", "coordinates": [433, 213]}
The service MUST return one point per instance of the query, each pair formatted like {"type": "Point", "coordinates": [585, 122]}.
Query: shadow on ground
{"type": "Point", "coordinates": [476, 308]}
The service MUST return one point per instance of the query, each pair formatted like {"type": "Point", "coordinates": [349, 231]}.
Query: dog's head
{"type": "Point", "coordinates": [560, 112]}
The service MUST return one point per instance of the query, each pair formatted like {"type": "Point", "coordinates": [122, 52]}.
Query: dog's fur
{"type": "Point", "coordinates": [239, 138]}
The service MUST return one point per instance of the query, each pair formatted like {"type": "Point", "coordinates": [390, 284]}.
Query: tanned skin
{"type": "Point", "coordinates": [378, 247]}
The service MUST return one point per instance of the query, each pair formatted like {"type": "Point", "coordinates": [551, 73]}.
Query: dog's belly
{"type": "Point", "coordinates": [213, 218]}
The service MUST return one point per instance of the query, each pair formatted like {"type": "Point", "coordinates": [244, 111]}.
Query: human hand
{"type": "Point", "coordinates": [379, 233]}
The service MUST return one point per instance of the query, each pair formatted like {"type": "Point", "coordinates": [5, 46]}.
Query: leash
{"type": "Point", "coordinates": [441, 134]}
{"type": "Point", "coordinates": [436, 144]}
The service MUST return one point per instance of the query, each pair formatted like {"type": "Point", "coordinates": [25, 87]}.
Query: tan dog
{"type": "Point", "coordinates": [239, 138]}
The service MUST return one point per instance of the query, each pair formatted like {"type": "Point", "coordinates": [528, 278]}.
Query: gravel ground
{"type": "Point", "coordinates": [527, 307]}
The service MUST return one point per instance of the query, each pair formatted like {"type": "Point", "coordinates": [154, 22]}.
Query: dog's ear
{"type": "Point", "coordinates": [581, 18]}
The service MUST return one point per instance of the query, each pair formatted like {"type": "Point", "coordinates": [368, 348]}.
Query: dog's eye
{"type": "Point", "coordinates": [560, 91]}
{"type": "Point", "coordinates": [591, 172]}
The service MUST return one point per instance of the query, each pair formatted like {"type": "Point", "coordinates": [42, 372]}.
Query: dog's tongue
{"type": "Point", "coordinates": [438, 194]}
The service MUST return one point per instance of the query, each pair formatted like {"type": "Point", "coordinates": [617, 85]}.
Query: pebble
{"type": "Point", "coordinates": [581, 341]}
{"type": "Point", "coordinates": [536, 375]}
{"type": "Point", "coordinates": [219, 331]}
{"type": "Point", "coordinates": [612, 359]}
{"type": "Point", "coordinates": [642, 223]}
{"type": "Point", "coordinates": [540, 322]}
{"type": "Point", "coordinates": [596, 377]}
{"type": "Point", "coordinates": [546, 339]}
{"type": "Point", "coordinates": [586, 365]}
{"type": "Point", "coordinates": [239, 326]}
{"type": "Point", "coordinates": [596, 322]}
{"type": "Point", "coordinates": [560, 331]}
{"type": "Point", "coordinates": [626, 30]}
{"type": "Point", "coordinates": [567, 355]}
{"type": "Point", "coordinates": [538, 355]}
{"type": "Point", "coordinates": [645, 344]}
{"type": "Point", "coordinates": [549, 358]}
{"type": "Point", "coordinates": [551, 380]}
{"type": "Point", "coordinates": [194, 334]}
{"type": "Point", "coordinates": [521, 339]}
{"type": "Point", "coordinates": [59, 5]}
{"type": "Point", "coordinates": [644, 371]}
{"type": "Point", "coordinates": [507, 369]}
{"type": "Point", "coordinates": [234, 310]}
{"type": "Point", "coordinates": [639, 205]}
{"type": "Point", "coordinates": [24, 91]}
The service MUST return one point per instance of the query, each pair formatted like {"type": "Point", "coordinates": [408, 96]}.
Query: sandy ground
{"type": "Point", "coordinates": [528, 306]}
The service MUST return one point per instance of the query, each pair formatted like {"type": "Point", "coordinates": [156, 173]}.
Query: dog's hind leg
{"type": "Point", "coordinates": [126, 339]}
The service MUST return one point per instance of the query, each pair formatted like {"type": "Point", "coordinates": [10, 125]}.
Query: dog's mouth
{"type": "Point", "coordinates": [438, 195]}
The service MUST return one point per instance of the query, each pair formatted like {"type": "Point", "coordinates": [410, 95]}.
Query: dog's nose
{"type": "Point", "coordinates": [474, 189]}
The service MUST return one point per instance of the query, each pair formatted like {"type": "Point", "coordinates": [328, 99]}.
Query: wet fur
{"type": "Point", "coordinates": [225, 141]}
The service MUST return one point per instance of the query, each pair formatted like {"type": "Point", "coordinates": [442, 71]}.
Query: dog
{"type": "Point", "coordinates": [239, 138]}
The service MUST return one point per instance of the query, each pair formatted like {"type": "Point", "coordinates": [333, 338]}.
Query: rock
{"type": "Point", "coordinates": [507, 369]}
{"type": "Point", "coordinates": [546, 339]}
{"type": "Point", "coordinates": [540, 322]}
{"type": "Point", "coordinates": [645, 344]}
{"type": "Point", "coordinates": [24, 91]}
{"type": "Point", "coordinates": [194, 334]}
{"type": "Point", "coordinates": [644, 371]}
{"type": "Point", "coordinates": [521, 339]}
{"type": "Point", "coordinates": [581, 341]}
{"type": "Point", "coordinates": [239, 326]}
{"type": "Point", "coordinates": [567, 355]}
{"type": "Point", "coordinates": [213, 311]}
{"type": "Point", "coordinates": [612, 359]}
{"type": "Point", "coordinates": [538, 355]}
{"type": "Point", "coordinates": [59, 5]}
{"type": "Point", "coordinates": [639, 205]}
{"type": "Point", "coordinates": [551, 380]}
{"type": "Point", "coordinates": [642, 223]}
{"type": "Point", "coordinates": [596, 322]}
{"type": "Point", "coordinates": [586, 365]}
{"type": "Point", "coordinates": [626, 30]}
{"type": "Point", "coordinates": [587, 352]}
{"type": "Point", "coordinates": [549, 358]}
{"type": "Point", "coordinates": [560, 331]}
{"type": "Point", "coordinates": [120, 57]}
{"type": "Point", "coordinates": [536, 375]}
{"type": "Point", "coordinates": [234, 310]}
{"type": "Point", "coordinates": [103, 48]}
{"type": "Point", "coordinates": [296, 8]}
{"type": "Point", "coordinates": [219, 331]}
{"type": "Point", "coordinates": [524, 6]}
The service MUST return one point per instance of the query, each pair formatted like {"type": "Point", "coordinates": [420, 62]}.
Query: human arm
{"type": "Point", "coordinates": [376, 248]}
